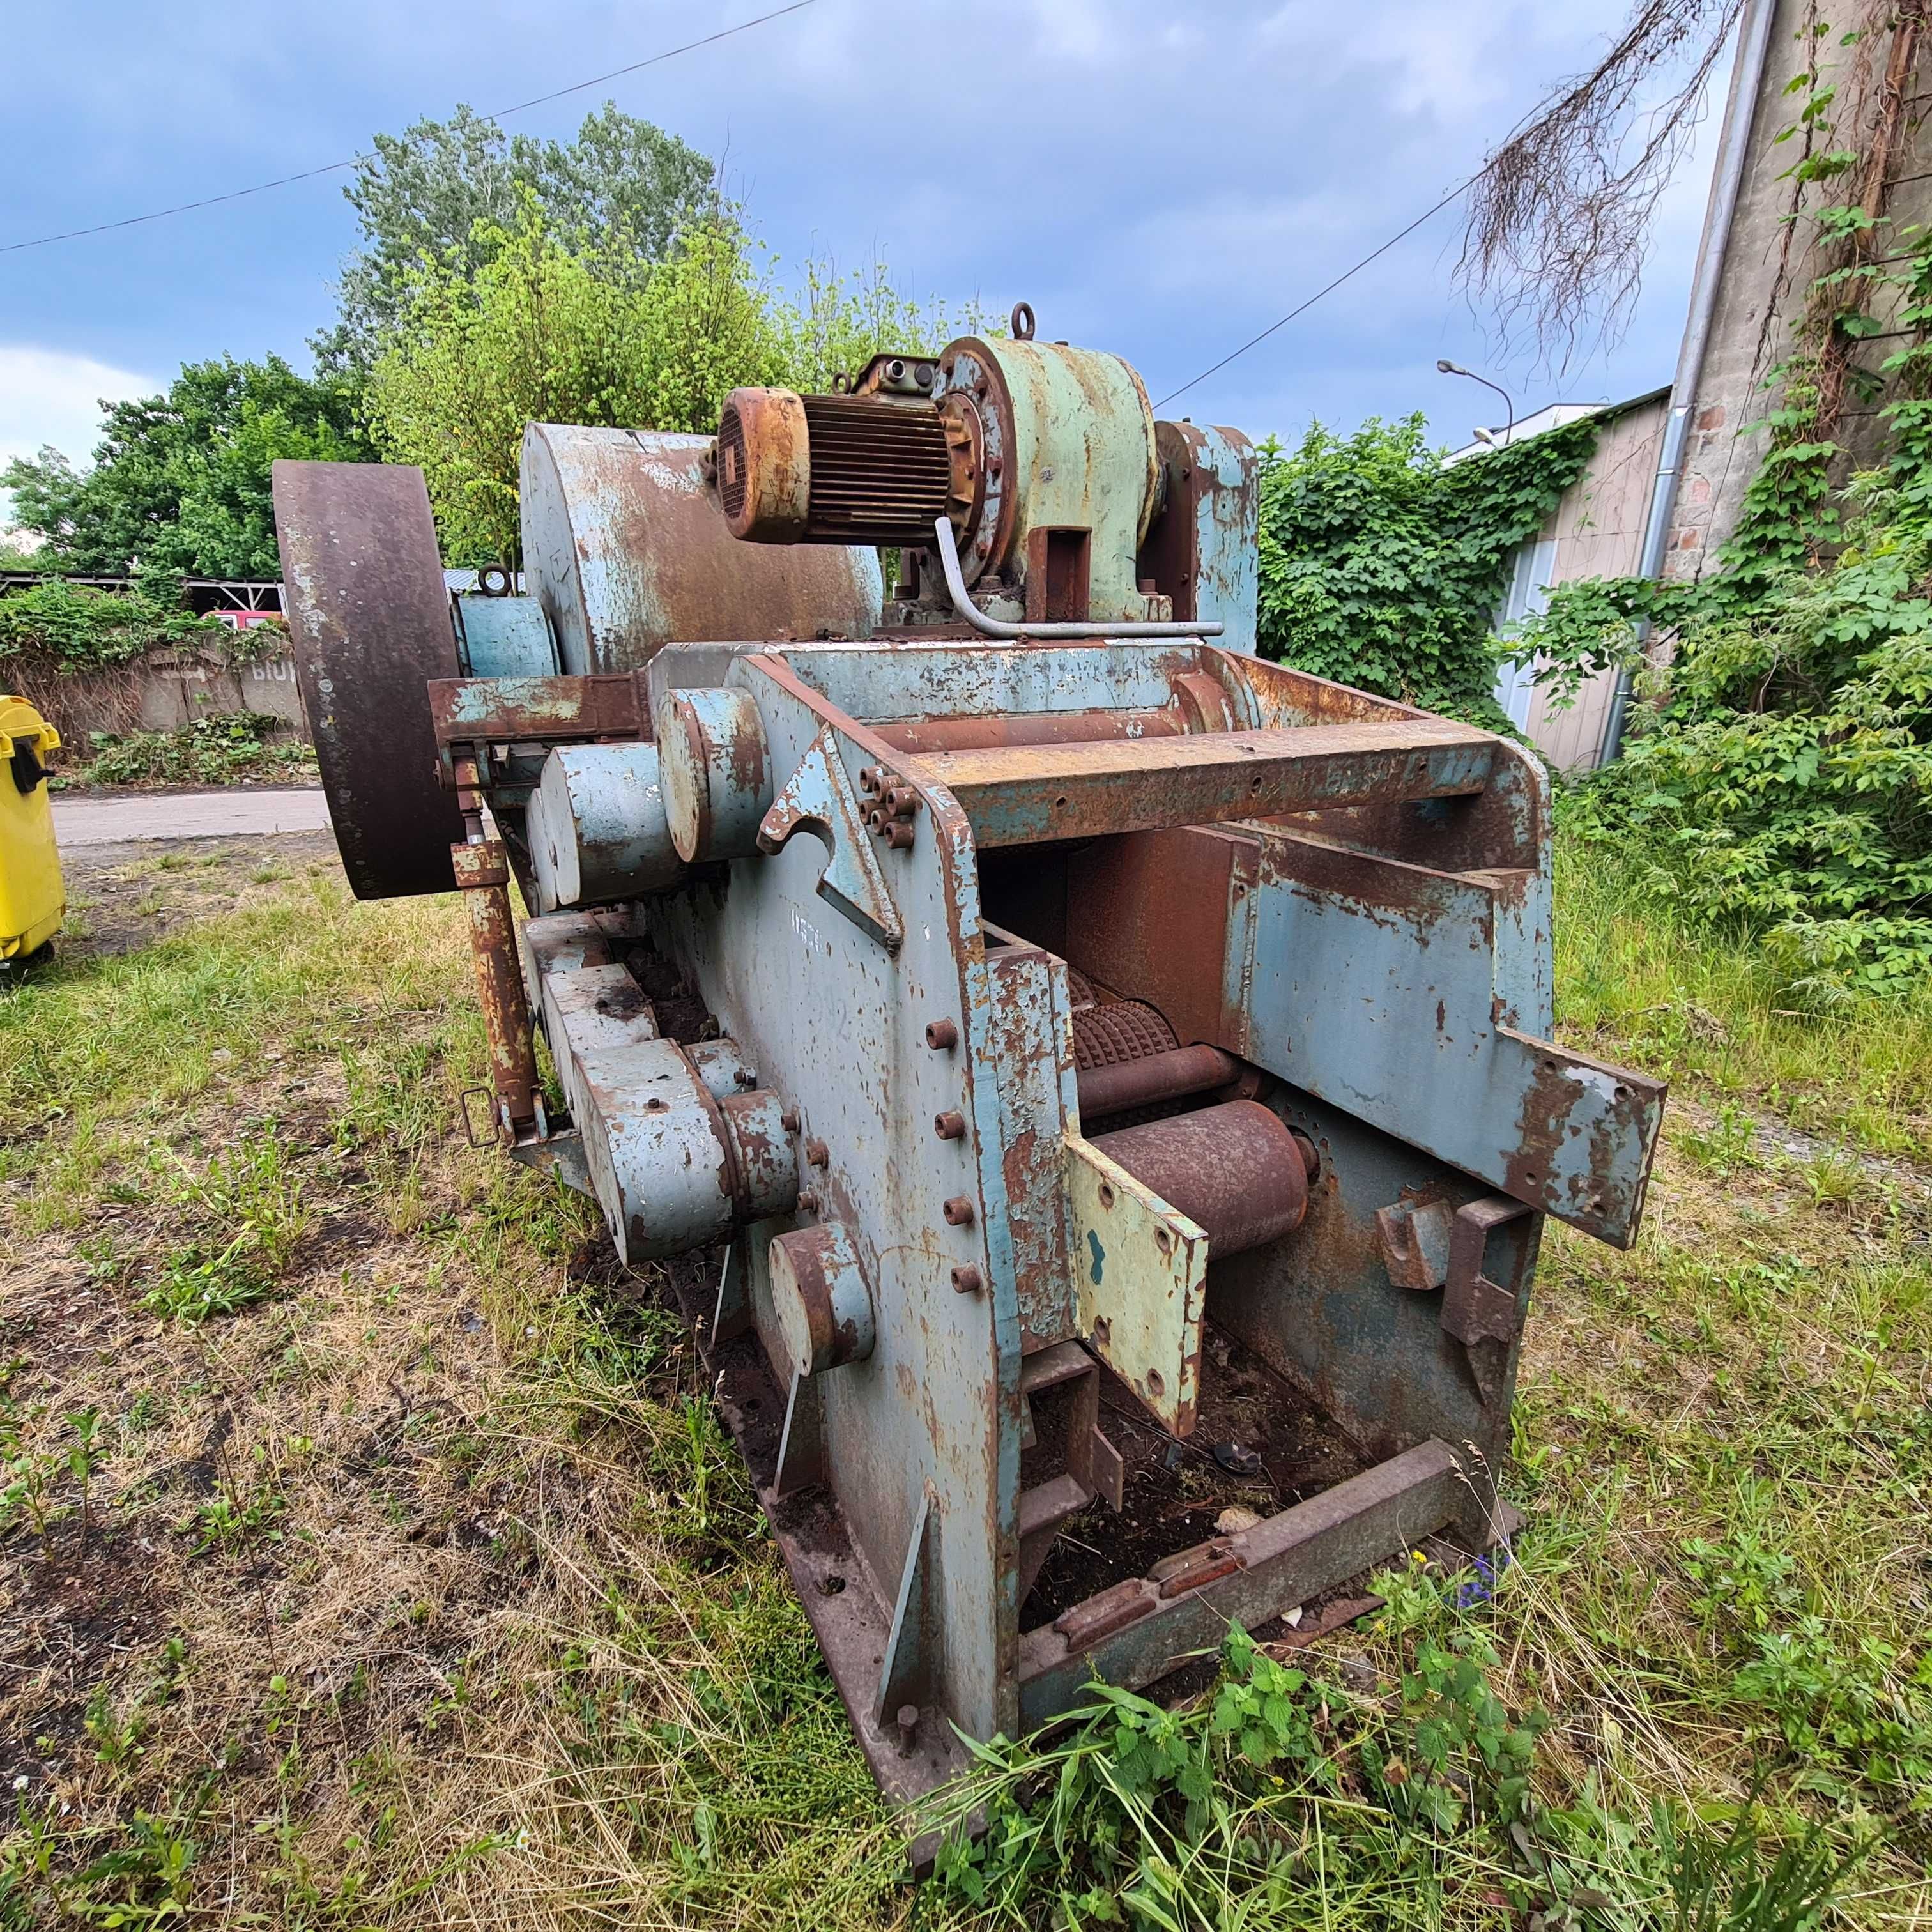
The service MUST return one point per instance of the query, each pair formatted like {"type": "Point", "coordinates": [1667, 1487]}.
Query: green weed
{"type": "Point", "coordinates": [222, 749]}
{"type": "Point", "coordinates": [249, 1192]}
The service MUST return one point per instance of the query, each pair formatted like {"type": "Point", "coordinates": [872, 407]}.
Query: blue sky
{"type": "Point", "coordinates": [1160, 179]}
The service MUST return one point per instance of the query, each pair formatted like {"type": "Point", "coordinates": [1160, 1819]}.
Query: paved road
{"type": "Point", "coordinates": [204, 814]}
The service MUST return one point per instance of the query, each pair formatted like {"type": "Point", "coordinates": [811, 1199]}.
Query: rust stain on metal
{"type": "Point", "coordinates": [536, 710]}
{"type": "Point", "coordinates": [1024, 794]}
{"type": "Point", "coordinates": [483, 874]}
{"type": "Point", "coordinates": [1235, 1168]}
{"type": "Point", "coordinates": [669, 568]}
{"type": "Point", "coordinates": [1149, 914]}
{"type": "Point", "coordinates": [977, 732]}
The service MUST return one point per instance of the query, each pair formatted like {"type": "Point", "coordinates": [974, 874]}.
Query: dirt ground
{"type": "Point", "coordinates": [122, 896]}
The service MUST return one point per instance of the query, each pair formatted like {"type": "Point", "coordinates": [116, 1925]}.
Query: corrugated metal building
{"type": "Point", "coordinates": [1596, 530]}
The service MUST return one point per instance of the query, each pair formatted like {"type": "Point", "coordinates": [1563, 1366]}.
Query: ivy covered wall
{"type": "Point", "coordinates": [1381, 569]}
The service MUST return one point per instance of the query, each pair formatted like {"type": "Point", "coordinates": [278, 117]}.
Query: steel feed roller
{"type": "Point", "coordinates": [1065, 1049]}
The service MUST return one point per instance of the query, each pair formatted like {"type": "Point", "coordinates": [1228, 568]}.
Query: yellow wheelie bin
{"type": "Point", "coordinates": [32, 899]}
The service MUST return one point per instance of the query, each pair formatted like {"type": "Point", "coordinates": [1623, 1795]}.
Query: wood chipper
{"type": "Point", "coordinates": [1100, 1082]}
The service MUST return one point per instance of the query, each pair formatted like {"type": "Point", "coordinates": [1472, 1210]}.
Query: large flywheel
{"type": "Point", "coordinates": [369, 617]}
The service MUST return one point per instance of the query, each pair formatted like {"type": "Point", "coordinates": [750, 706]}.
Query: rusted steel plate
{"type": "Point", "coordinates": [1164, 916]}
{"type": "Point", "coordinates": [1141, 1272]}
{"type": "Point", "coordinates": [1280, 1562]}
{"type": "Point", "coordinates": [370, 624]}
{"type": "Point", "coordinates": [1583, 1138]}
{"type": "Point", "coordinates": [1201, 550]}
{"type": "Point", "coordinates": [1049, 727]}
{"type": "Point", "coordinates": [510, 710]}
{"type": "Point", "coordinates": [627, 550]}
{"type": "Point", "coordinates": [1028, 794]}
{"type": "Point", "coordinates": [1442, 1042]}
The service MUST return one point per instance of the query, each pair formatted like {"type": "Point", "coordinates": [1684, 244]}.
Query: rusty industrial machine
{"type": "Point", "coordinates": [1100, 1082]}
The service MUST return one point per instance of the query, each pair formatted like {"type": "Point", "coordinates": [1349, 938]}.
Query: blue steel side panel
{"type": "Point", "coordinates": [835, 1023]}
{"type": "Point", "coordinates": [955, 680]}
{"type": "Point", "coordinates": [1321, 1308]}
{"type": "Point", "coordinates": [1419, 1001]}
{"type": "Point", "coordinates": [1229, 586]}
{"type": "Point", "coordinates": [506, 637]}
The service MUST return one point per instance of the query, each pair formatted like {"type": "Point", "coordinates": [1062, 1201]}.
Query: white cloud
{"type": "Point", "coordinates": [50, 396]}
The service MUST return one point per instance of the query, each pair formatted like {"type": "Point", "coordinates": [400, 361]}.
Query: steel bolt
{"type": "Point", "coordinates": [906, 1720]}
{"type": "Point", "coordinates": [746, 1076]}
{"type": "Point", "coordinates": [968, 1280]}
{"type": "Point", "coordinates": [899, 834]}
{"type": "Point", "coordinates": [950, 1126]}
{"type": "Point", "coordinates": [1311, 1159]}
{"type": "Point", "coordinates": [870, 777]}
{"type": "Point", "coordinates": [958, 1212]}
{"type": "Point", "coordinates": [807, 1202]}
{"type": "Point", "coordinates": [789, 1120]}
{"type": "Point", "coordinates": [942, 1036]}
{"type": "Point", "coordinates": [902, 801]}
{"type": "Point", "coordinates": [817, 1152]}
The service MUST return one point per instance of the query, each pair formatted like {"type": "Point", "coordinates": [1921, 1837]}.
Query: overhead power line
{"type": "Point", "coordinates": [353, 160]}
{"type": "Point", "coordinates": [1401, 235]}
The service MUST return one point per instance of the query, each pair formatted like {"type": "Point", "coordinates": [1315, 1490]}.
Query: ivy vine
{"type": "Point", "coordinates": [1382, 569]}
{"type": "Point", "coordinates": [1781, 779]}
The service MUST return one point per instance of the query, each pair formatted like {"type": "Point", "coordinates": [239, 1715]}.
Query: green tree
{"type": "Point", "coordinates": [180, 482]}
{"type": "Point", "coordinates": [447, 191]}
{"type": "Point", "coordinates": [549, 330]}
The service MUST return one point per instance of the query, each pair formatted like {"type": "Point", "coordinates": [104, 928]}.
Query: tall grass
{"type": "Point", "coordinates": [1680, 1000]}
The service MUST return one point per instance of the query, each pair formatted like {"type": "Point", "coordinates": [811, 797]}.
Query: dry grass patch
{"type": "Point", "coordinates": [356, 1573]}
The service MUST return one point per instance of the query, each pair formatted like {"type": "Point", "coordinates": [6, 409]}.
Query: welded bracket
{"type": "Point", "coordinates": [801, 1464]}
{"type": "Point", "coordinates": [1475, 1308]}
{"type": "Point", "coordinates": [911, 1671]}
{"type": "Point", "coordinates": [818, 798]}
{"type": "Point", "coordinates": [559, 1154]}
{"type": "Point", "coordinates": [1415, 1241]}
{"type": "Point", "coordinates": [1141, 1274]}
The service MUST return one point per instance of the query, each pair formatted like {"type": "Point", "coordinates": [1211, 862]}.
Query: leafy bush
{"type": "Point", "coordinates": [223, 748]}
{"type": "Point", "coordinates": [1282, 1784]}
{"type": "Point", "coordinates": [1849, 1710]}
{"type": "Point", "coordinates": [1382, 569]}
{"type": "Point", "coordinates": [1287, 1797]}
{"type": "Point", "coordinates": [1782, 781]}
{"type": "Point", "coordinates": [530, 325]}
{"type": "Point", "coordinates": [75, 628]}
{"type": "Point", "coordinates": [1785, 782]}
{"type": "Point", "coordinates": [180, 480]}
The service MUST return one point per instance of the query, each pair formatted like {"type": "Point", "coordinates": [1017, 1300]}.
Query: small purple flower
{"type": "Point", "coordinates": [1481, 1587]}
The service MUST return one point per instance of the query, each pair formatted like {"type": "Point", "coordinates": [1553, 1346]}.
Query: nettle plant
{"type": "Point", "coordinates": [1780, 777]}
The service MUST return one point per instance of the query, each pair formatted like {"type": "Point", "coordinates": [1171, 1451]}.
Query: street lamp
{"type": "Point", "coordinates": [1446, 368]}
